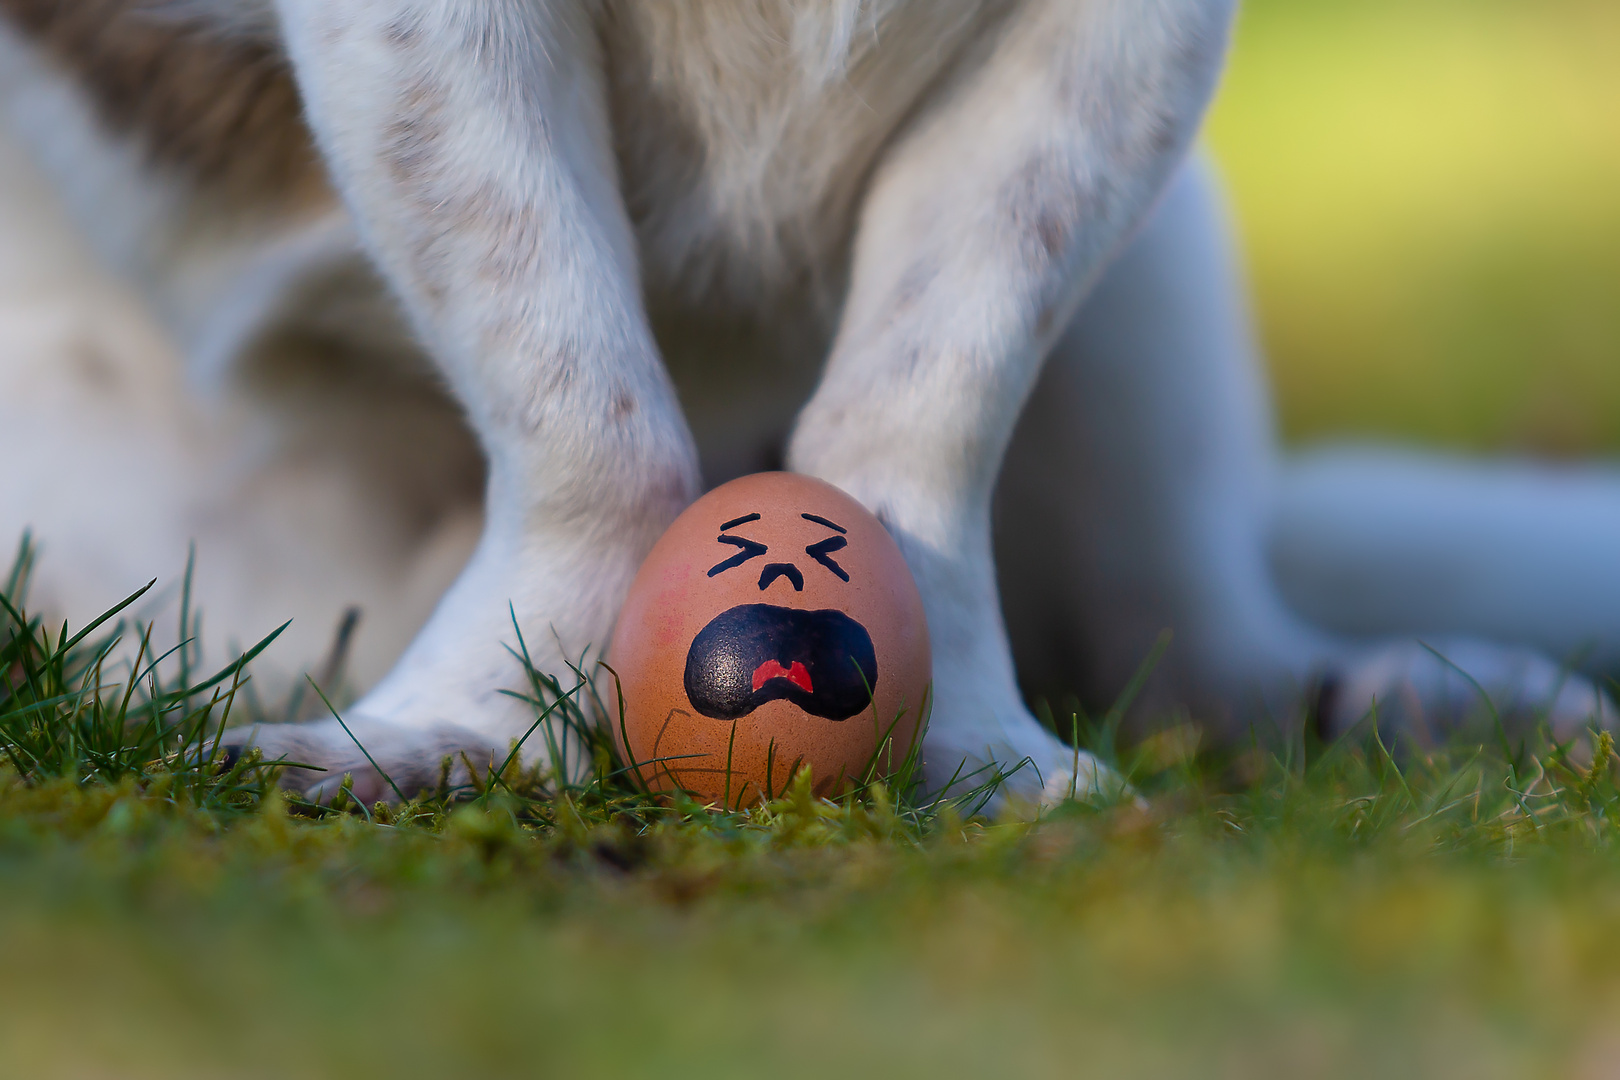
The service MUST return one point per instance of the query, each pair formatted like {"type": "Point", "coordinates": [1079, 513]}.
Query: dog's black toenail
{"type": "Point", "coordinates": [1324, 705]}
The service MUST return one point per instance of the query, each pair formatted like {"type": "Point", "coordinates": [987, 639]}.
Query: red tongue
{"type": "Point", "coordinates": [771, 669]}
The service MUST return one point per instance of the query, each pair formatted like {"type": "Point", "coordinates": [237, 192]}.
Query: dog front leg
{"type": "Point", "coordinates": [982, 229]}
{"type": "Point", "coordinates": [471, 141]}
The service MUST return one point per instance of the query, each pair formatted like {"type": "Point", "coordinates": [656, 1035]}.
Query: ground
{"type": "Point", "coordinates": [1426, 191]}
{"type": "Point", "coordinates": [1276, 911]}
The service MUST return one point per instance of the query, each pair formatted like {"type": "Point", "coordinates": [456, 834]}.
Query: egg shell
{"type": "Point", "coordinates": [782, 640]}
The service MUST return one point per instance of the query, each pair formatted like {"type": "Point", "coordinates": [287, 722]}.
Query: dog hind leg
{"type": "Point", "coordinates": [247, 386]}
{"type": "Point", "coordinates": [1138, 497]}
{"type": "Point", "coordinates": [1381, 541]}
{"type": "Point", "coordinates": [1135, 492]}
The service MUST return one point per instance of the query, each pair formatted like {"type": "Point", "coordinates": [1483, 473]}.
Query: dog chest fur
{"type": "Point", "coordinates": [746, 128]}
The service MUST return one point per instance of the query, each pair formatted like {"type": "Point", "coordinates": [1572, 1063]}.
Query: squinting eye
{"type": "Point", "coordinates": [820, 553]}
{"type": "Point", "coordinates": [750, 550]}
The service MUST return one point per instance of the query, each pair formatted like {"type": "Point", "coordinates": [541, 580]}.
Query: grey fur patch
{"type": "Point", "coordinates": [217, 106]}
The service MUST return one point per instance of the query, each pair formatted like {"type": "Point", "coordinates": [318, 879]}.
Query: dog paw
{"type": "Point", "coordinates": [1429, 693]}
{"type": "Point", "coordinates": [386, 761]}
{"type": "Point", "coordinates": [1027, 767]}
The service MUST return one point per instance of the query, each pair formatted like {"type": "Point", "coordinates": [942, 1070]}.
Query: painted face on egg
{"type": "Point", "coordinates": [822, 661]}
{"type": "Point", "coordinates": [774, 624]}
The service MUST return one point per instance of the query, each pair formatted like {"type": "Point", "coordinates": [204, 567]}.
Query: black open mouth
{"type": "Point", "coordinates": [822, 661]}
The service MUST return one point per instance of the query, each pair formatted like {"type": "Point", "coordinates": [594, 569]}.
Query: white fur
{"type": "Point", "coordinates": [923, 190]}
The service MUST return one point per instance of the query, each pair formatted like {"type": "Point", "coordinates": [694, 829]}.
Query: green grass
{"type": "Point", "coordinates": [1281, 909]}
{"type": "Point", "coordinates": [1427, 193]}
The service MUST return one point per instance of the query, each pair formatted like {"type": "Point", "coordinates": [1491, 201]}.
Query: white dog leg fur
{"type": "Point", "coordinates": [472, 142]}
{"type": "Point", "coordinates": [982, 227]}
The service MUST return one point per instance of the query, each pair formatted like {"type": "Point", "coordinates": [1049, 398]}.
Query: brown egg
{"type": "Point", "coordinates": [774, 624]}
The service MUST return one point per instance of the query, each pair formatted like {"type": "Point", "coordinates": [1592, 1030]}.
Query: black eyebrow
{"type": "Point", "coordinates": [745, 519]}
{"type": "Point", "coordinates": [823, 521]}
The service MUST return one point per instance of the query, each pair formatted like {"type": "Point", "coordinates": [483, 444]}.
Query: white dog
{"type": "Point", "coordinates": [371, 225]}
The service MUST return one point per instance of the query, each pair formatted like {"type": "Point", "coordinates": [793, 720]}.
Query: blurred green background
{"type": "Point", "coordinates": [1429, 193]}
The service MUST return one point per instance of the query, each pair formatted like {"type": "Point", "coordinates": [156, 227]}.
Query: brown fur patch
{"type": "Point", "coordinates": [223, 110]}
